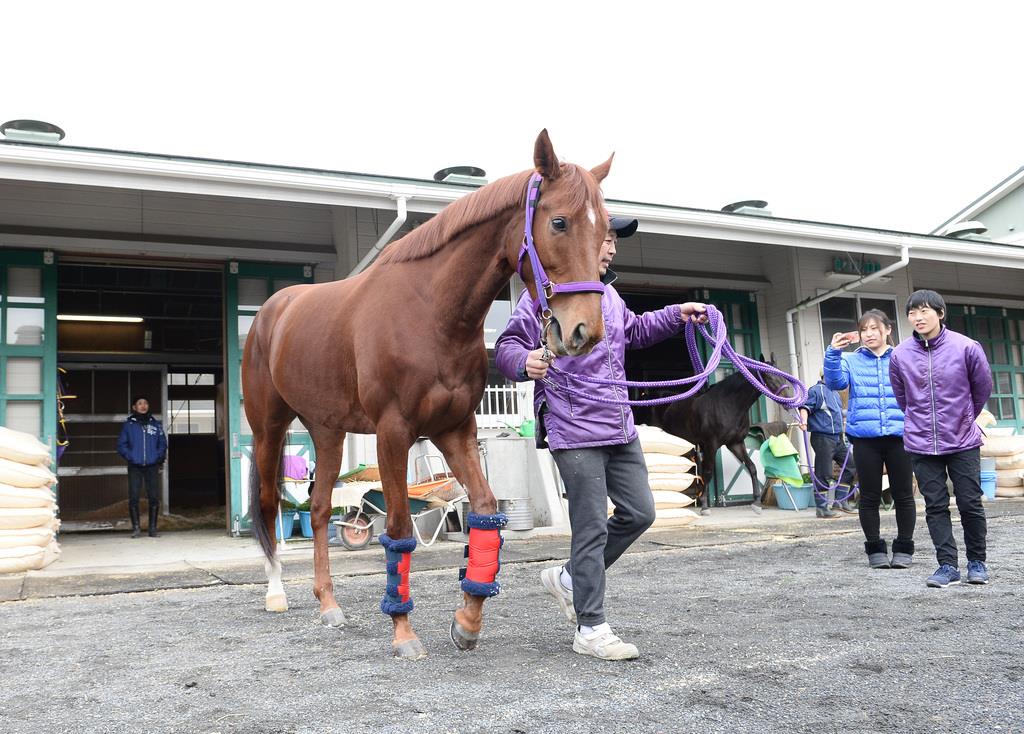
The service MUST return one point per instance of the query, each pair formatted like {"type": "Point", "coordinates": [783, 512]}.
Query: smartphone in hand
{"type": "Point", "coordinates": [852, 336]}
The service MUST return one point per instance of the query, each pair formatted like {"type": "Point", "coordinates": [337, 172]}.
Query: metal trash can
{"type": "Point", "coordinates": [519, 511]}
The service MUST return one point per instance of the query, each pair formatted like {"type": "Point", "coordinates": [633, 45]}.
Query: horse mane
{"type": "Point", "coordinates": [734, 384]}
{"type": "Point", "coordinates": [480, 206]}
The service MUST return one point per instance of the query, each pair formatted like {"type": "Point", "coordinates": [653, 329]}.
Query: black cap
{"type": "Point", "coordinates": [623, 226]}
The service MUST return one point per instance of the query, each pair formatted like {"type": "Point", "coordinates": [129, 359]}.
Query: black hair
{"type": "Point", "coordinates": [925, 297]}
{"type": "Point", "coordinates": [137, 398]}
{"type": "Point", "coordinates": [875, 315]}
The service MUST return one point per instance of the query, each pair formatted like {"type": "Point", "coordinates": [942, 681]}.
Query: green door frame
{"type": "Point", "coordinates": [239, 440]}
{"type": "Point", "coordinates": [1007, 377]}
{"type": "Point", "coordinates": [46, 352]}
{"type": "Point", "coordinates": [741, 321]}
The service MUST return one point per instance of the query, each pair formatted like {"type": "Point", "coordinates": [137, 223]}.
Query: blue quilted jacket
{"type": "Point", "coordinates": [872, 411]}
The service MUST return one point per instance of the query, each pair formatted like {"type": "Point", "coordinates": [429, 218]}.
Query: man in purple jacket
{"type": "Point", "coordinates": [594, 445]}
{"type": "Point", "coordinates": [942, 381]}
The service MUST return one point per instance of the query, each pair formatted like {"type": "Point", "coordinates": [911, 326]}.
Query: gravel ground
{"type": "Point", "coordinates": [791, 635]}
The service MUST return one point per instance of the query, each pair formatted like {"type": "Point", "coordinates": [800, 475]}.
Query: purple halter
{"type": "Point", "coordinates": [545, 288]}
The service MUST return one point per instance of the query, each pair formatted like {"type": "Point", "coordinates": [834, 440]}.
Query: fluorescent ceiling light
{"type": "Point", "coordinates": [117, 319]}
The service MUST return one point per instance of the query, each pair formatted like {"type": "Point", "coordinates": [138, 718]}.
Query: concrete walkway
{"type": "Point", "coordinates": [111, 563]}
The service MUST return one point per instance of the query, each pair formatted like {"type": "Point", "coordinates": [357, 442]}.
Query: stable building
{"type": "Point", "coordinates": [126, 273]}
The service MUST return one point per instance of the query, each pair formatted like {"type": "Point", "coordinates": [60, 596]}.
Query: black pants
{"type": "Point", "coordinates": [592, 476]}
{"type": "Point", "coordinates": [964, 469]}
{"type": "Point", "coordinates": [136, 475]}
{"type": "Point", "coordinates": [828, 449]}
{"type": "Point", "coordinates": [871, 455]}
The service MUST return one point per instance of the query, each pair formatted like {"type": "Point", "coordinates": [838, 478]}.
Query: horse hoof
{"type": "Point", "coordinates": [757, 509]}
{"type": "Point", "coordinates": [276, 603]}
{"type": "Point", "coordinates": [409, 650]}
{"type": "Point", "coordinates": [705, 511]}
{"type": "Point", "coordinates": [332, 618]}
{"type": "Point", "coordinates": [463, 639]}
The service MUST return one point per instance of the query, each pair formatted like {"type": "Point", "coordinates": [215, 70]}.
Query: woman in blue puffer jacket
{"type": "Point", "coordinates": [875, 428]}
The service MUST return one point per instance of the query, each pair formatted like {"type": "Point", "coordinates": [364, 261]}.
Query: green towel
{"type": "Point", "coordinates": [785, 467]}
{"type": "Point", "coordinates": [781, 446]}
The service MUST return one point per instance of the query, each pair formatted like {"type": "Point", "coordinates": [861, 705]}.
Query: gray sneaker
{"type": "Point", "coordinates": [606, 646]}
{"type": "Point", "coordinates": [551, 578]}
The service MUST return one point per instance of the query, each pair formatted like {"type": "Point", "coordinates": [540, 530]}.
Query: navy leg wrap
{"type": "Point", "coordinates": [483, 551]}
{"type": "Point", "coordinates": [397, 599]}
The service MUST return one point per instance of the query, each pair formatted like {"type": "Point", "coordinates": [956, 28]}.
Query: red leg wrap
{"type": "Point", "coordinates": [403, 574]}
{"type": "Point", "coordinates": [484, 546]}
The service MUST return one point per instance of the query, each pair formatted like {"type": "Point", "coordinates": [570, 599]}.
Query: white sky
{"type": "Point", "coordinates": [889, 114]}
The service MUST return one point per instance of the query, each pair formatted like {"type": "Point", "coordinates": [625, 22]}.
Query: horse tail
{"type": "Point", "coordinates": [259, 525]}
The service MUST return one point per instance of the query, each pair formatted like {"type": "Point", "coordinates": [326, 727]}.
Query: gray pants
{"type": "Point", "coordinates": [592, 476]}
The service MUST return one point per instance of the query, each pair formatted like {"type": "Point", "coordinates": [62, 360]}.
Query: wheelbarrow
{"type": "Point", "coordinates": [364, 502]}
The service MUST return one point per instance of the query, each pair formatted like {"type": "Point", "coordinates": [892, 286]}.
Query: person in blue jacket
{"type": "Point", "coordinates": [144, 446]}
{"type": "Point", "coordinates": [822, 415]}
{"type": "Point", "coordinates": [874, 425]}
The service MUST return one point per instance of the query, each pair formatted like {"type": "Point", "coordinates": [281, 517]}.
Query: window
{"type": "Point", "coordinates": [192, 416]}
{"type": "Point", "coordinates": [842, 312]}
{"type": "Point", "coordinates": [193, 409]}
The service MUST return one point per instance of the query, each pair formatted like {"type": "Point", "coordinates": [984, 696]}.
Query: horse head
{"type": "Point", "coordinates": [773, 382]}
{"type": "Point", "coordinates": [569, 227]}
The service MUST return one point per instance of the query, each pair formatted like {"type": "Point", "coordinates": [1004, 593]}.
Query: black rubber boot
{"type": "Point", "coordinates": [878, 554]}
{"type": "Point", "coordinates": [133, 515]}
{"type": "Point", "coordinates": [154, 512]}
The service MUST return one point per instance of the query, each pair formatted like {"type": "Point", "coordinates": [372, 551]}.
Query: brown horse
{"type": "Point", "coordinates": [398, 350]}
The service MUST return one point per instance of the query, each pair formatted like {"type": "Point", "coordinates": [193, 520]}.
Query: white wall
{"type": "Point", "coordinates": [125, 211]}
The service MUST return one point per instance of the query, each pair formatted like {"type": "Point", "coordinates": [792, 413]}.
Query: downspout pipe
{"type": "Point", "coordinates": [396, 225]}
{"type": "Point", "coordinates": [794, 367]}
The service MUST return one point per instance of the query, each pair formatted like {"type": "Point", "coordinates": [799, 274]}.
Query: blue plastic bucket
{"type": "Point", "coordinates": [801, 496]}
{"type": "Point", "coordinates": [988, 484]}
{"type": "Point", "coordinates": [305, 524]}
{"type": "Point", "coordinates": [287, 525]}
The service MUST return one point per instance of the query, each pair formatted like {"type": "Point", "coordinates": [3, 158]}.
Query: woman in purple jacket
{"type": "Point", "coordinates": [942, 381]}
{"type": "Point", "coordinates": [595, 447]}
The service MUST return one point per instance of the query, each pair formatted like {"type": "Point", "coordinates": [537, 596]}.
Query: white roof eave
{"type": "Point", "coordinates": [54, 164]}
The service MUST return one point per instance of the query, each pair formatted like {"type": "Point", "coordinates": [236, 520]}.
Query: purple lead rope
{"type": "Point", "coordinates": [716, 336]}
{"type": "Point", "coordinates": [820, 488]}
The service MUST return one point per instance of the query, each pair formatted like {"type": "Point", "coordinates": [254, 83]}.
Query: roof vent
{"type": "Point", "coordinates": [753, 207]}
{"type": "Point", "coordinates": [971, 230]}
{"type": "Point", "coordinates": [464, 175]}
{"type": "Point", "coordinates": [31, 131]}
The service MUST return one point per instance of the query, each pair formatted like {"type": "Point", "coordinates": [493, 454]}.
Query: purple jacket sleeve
{"type": "Point", "coordinates": [899, 389]}
{"type": "Point", "coordinates": [521, 336]}
{"type": "Point", "coordinates": [651, 327]}
{"type": "Point", "coordinates": [979, 374]}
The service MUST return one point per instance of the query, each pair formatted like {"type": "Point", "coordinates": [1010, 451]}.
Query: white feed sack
{"type": "Point", "coordinates": [996, 445]}
{"type": "Point", "coordinates": [654, 440]}
{"type": "Point", "coordinates": [25, 475]}
{"type": "Point", "coordinates": [25, 497]}
{"type": "Point", "coordinates": [27, 558]}
{"type": "Point", "coordinates": [22, 448]}
{"type": "Point", "coordinates": [670, 481]}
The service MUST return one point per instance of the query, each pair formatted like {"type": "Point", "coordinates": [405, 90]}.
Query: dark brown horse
{"type": "Point", "coordinates": [717, 416]}
{"type": "Point", "coordinates": [398, 350]}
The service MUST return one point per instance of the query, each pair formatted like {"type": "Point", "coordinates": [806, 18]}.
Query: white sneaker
{"type": "Point", "coordinates": [604, 645]}
{"type": "Point", "coordinates": [551, 578]}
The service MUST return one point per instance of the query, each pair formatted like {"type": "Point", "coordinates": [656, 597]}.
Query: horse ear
{"type": "Point", "coordinates": [760, 357]}
{"type": "Point", "coordinates": [544, 157]}
{"type": "Point", "coordinates": [601, 172]}
{"type": "Point", "coordinates": [773, 363]}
